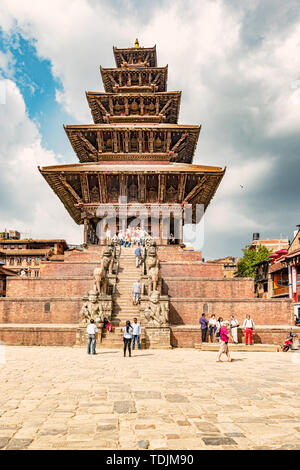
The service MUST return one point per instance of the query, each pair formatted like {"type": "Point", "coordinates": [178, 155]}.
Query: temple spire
{"type": "Point", "coordinates": [137, 44]}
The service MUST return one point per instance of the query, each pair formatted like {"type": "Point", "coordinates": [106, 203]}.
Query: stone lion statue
{"type": "Point", "coordinates": [156, 312]}
{"type": "Point", "coordinates": [100, 274]}
{"type": "Point", "coordinates": [153, 268]}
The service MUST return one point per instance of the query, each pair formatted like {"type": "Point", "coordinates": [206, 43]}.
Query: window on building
{"type": "Point", "coordinates": [37, 261]}
{"type": "Point", "coordinates": [20, 247]}
{"type": "Point", "coordinates": [298, 272]}
{"type": "Point", "coordinates": [47, 307]}
{"type": "Point", "coordinates": [36, 273]}
{"type": "Point", "coordinates": [19, 260]}
{"type": "Point", "coordinates": [12, 247]}
{"type": "Point", "coordinates": [28, 261]}
{"type": "Point", "coordinates": [4, 247]}
{"type": "Point", "coordinates": [11, 261]}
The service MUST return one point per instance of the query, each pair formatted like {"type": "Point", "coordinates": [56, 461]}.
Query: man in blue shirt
{"type": "Point", "coordinates": [203, 323]}
{"type": "Point", "coordinates": [138, 256]}
{"type": "Point", "coordinates": [136, 333]}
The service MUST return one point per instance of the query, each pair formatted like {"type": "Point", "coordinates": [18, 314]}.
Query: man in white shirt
{"type": "Point", "coordinates": [136, 292]}
{"type": "Point", "coordinates": [136, 327]}
{"type": "Point", "coordinates": [91, 331]}
{"type": "Point", "coordinates": [249, 325]}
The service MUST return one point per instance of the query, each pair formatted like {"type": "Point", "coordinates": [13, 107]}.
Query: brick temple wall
{"type": "Point", "coordinates": [211, 288]}
{"type": "Point", "coordinates": [68, 269]}
{"type": "Point", "coordinates": [263, 311]}
{"type": "Point", "coordinates": [191, 268]}
{"type": "Point", "coordinates": [48, 287]}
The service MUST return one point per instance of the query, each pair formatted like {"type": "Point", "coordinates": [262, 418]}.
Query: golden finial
{"type": "Point", "coordinates": [136, 44]}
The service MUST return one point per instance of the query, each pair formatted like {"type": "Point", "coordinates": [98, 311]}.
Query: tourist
{"type": "Point", "coordinates": [249, 325]}
{"type": "Point", "coordinates": [172, 239]}
{"type": "Point", "coordinates": [203, 323]}
{"type": "Point", "coordinates": [136, 331]}
{"type": "Point", "coordinates": [127, 240]}
{"type": "Point", "coordinates": [91, 331]}
{"type": "Point", "coordinates": [224, 341]}
{"type": "Point", "coordinates": [143, 235]}
{"type": "Point", "coordinates": [107, 325]}
{"type": "Point", "coordinates": [138, 256]}
{"type": "Point", "coordinates": [136, 292]}
{"type": "Point", "coordinates": [218, 328]}
{"type": "Point", "coordinates": [212, 326]}
{"type": "Point", "coordinates": [138, 236]}
{"type": "Point", "coordinates": [234, 324]}
{"type": "Point", "coordinates": [121, 237]}
{"type": "Point", "coordinates": [127, 337]}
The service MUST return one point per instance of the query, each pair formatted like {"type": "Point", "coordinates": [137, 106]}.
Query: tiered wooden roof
{"type": "Point", "coordinates": [134, 107]}
{"type": "Point", "coordinates": [92, 184]}
{"type": "Point", "coordinates": [148, 79]}
{"type": "Point", "coordinates": [133, 55]}
{"type": "Point", "coordinates": [135, 148]}
{"type": "Point", "coordinates": [156, 142]}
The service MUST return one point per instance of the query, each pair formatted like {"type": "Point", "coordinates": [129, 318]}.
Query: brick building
{"type": "Point", "coordinates": [25, 256]}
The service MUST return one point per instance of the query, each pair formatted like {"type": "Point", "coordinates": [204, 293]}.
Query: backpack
{"type": "Point", "coordinates": [217, 335]}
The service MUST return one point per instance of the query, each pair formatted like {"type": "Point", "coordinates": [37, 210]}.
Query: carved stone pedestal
{"type": "Point", "coordinates": [157, 337]}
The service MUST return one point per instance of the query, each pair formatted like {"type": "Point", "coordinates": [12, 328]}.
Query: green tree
{"type": "Point", "coordinates": [245, 267]}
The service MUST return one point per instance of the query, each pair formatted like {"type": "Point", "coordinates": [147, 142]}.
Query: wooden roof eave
{"type": "Point", "coordinates": [92, 168]}
{"type": "Point", "coordinates": [65, 196]}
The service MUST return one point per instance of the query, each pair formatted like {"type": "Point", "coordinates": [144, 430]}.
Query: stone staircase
{"type": "Point", "coordinates": [123, 309]}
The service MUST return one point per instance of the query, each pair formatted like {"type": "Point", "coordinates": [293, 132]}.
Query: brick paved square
{"type": "Point", "coordinates": [61, 398]}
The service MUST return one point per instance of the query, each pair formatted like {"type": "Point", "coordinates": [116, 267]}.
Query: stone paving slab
{"type": "Point", "coordinates": [61, 398]}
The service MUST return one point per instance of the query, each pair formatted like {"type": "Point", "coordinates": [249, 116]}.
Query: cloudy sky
{"type": "Point", "coordinates": [237, 64]}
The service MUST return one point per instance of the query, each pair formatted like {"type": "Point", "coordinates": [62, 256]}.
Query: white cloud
{"type": "Point", "coordinates": [26, 201]}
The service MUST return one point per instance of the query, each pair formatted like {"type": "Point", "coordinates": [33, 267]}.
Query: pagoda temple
{"type": "Point", "coordinates": [135, 153]}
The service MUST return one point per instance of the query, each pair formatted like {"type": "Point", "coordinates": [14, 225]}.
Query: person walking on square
{"type": "Point", "coordinates": [224, 338]}
{"type": "Point", "coordinates": [234, 324]}
{"type": "Point", "coordinates": [138, 256]}
{"type": "Point", "coordinates": [136, 292]}
{"type": "Point", "coordinates": [136, 327]}
{"type": "Point", "coordinates": [249, 325]}
{"type": "Point", "coordinates": [203, 323]}
{"type": "Point", "coordinates": [91, 331]}
{"type": "Point", "coordinates": [127, 337]}
{"type": "Point", "coordinates": [212, 327]}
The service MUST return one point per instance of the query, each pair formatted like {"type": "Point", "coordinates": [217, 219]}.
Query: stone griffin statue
{"type": "Point", "coordinates": [100, 274]}
{"type": "Point", "coordinates": [152, 268]}
{"type": "Point", "coordinates": [94, 308]}
{"type": "Point", "coordinates": [156, 312]}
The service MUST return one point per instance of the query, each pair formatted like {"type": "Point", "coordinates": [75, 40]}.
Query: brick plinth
{"type": "Point", "coordinates": [187, 336]}
{"type": "Point", "coordinates": [157, 338]}
{"type": "Point", "coordinates": [38, 335]}
{"type": "Point", "coordinates": [42, 310]}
